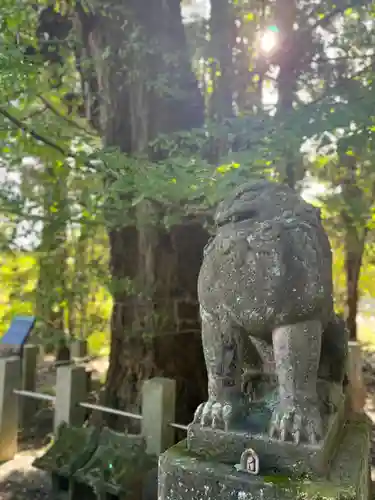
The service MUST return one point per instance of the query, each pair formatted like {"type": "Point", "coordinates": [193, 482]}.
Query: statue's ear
{"type": "Point", "coordinates": [319, 213]}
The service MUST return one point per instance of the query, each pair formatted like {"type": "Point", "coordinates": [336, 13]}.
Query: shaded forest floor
{"type": "Point", "coordinates": [19, 480]}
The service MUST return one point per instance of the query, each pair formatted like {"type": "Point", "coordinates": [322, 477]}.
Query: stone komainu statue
{"type": "Point", "coordinates": [266, 281]}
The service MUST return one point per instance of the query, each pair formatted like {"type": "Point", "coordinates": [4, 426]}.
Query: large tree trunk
{"type": "Point", "coordinates": [354, 248]}
{"type": "Point", "coordinates": [223, 40]}
{"type": "Point", "coordinates": [168, 342]}
{"type": "Point", "coordinates": [288, 59]}
{"type": "Point", "coordinates": [355, 235]}
{"type": "Point", "coordinates": [155, 322]}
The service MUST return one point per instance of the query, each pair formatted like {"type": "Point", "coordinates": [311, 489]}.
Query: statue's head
{"type": "Point", "coordinates": [263, 200]}
{"type": "Point", "coordinates": [240, 203]}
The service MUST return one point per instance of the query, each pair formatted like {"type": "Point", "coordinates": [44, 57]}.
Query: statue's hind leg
{"type": "Point", "coordinates": [334, 356]}
{"type": "Point", "coordinates": [222, 351]}
{"type": "Point", "coordinates": [297, 353]}
{"type": "Point", "coordinates": [333, 364]}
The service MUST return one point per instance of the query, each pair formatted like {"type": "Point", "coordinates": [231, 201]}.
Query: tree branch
{"type": "Point", "coordinates": [63, 117]}
{"type": "Point", "coordinates": [339, 84]}
{"type": "Point", "coordinates": [35, 113]}
{"type": "Point", "coordinates": [22, 126]}
{"type": "Point", "coordinates": [339, 9]}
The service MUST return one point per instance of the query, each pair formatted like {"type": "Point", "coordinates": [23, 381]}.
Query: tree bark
{"type": "Point", "coordinates": [288, 61]}
{"type": "Point", "coordinates": [150, 335]}
{"type": "Point", "coordinates": [223, 40]}
{"type": "Point", "coordinates": [354, 248]}
{"type": "Point", "coordinates": [355, 235]}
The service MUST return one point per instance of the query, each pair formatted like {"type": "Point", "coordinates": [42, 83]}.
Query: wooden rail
{"type": "Point", "coordinates": [70, 405]}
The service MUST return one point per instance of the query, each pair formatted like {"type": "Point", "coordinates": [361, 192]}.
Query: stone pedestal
{"type": "Point", "coordinates": [275, 457]}
{"type": "Point", "coordinates": [185, 475]}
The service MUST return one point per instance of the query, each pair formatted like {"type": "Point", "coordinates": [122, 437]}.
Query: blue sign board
{"type": "Point", "coordinates": [19, 331]}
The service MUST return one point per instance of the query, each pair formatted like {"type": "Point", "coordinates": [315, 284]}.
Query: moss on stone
{"type": "Point", "coordinates": [71, 449]}
{"type": "Point", "coordinates": [185, 475]}
{"type": "Point", "coordinates": [118, 464]}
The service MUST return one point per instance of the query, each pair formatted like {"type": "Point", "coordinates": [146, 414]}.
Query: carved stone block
{"type": "Point", "coordinates": [183, 475]}
{"type": "Point", "coordinates": [275, 456]}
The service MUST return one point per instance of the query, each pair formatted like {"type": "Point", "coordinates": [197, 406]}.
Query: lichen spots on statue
{"type": "Point", "coordinates": [266, 279]}
{"type": "Point", "coordinates": [275, 423]}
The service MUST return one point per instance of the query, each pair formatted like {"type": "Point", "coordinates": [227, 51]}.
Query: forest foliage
{"type": "Point", "coordinates": [286, 91]}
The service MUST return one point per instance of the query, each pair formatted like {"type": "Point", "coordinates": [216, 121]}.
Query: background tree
{"type": "Point", "coordinates": [148, 122]}
{"type": "Point", "coordinates": [349, 204]}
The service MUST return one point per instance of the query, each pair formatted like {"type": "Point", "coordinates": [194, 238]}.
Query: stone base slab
{"type": "Point", "coordinates": [184, 475]}
{"type": "Point", "coordinates": [275, 456]}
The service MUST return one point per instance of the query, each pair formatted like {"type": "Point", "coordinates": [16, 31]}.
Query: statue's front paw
{"type": "Point", "coordinates": [293, 422]}
{"type": "Point", "coordinates": [214, 414]}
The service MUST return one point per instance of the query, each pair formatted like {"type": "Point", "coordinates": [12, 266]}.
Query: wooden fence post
{"type": "Point", "coordinates": [28, 406]}
{"type": "Point", "coordinates": [356, 386]}
{"type": "Point", "coordinates": [158, 411]}
{"type": "Point", "coordinates": [10, 380]}
{"type": "Point", "coordinates": [71, 389]}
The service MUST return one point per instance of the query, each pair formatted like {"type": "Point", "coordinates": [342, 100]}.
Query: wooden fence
{"type": "Point", "coordinates": [18, 397]}
{"type": "Point", "coordinates": [17, 378]}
